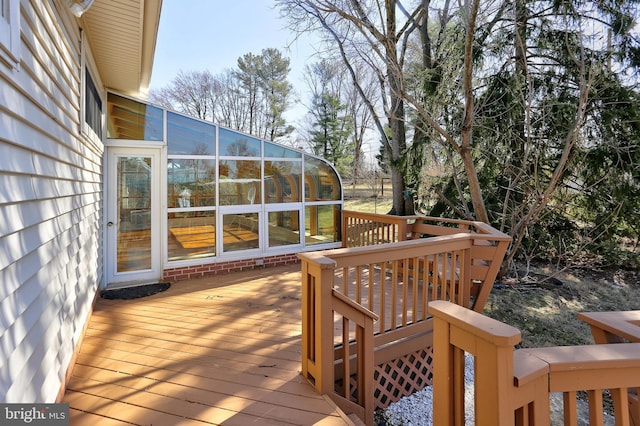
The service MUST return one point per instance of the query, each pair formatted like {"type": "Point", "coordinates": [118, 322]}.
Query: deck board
{"type": "Point", "coordinates": [217, 350]}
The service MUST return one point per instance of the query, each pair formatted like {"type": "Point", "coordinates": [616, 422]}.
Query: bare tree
{"type": "Point", "coordinates": [368, 35]}
{"type": "Point", "coordinates": [190, 92]}
{"type": "Point", "coordinates": [251, 98]}
{"type": "Point", "coordinates": [457, 49]}
{"type": "Point", "coordinates": [231, 109]}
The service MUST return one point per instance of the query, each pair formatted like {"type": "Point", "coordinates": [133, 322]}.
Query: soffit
{"type": "Point", "coordinates": [122, 35]}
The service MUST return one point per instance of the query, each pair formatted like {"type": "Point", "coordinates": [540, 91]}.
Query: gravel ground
{"type": "Point", "coordinates": [417, 409]}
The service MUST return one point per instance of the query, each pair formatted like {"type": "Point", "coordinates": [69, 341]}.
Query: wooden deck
{"type": "Point", "coordinates": [218, 350]}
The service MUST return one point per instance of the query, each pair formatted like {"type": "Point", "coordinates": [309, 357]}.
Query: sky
{"type": "Point", "coordinates": [198, 35]}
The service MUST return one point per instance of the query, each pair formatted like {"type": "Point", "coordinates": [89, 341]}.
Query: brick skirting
{"type": "Point", "coordinates": [197, 271]}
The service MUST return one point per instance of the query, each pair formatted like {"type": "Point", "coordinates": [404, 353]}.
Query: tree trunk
{"type": "Point", "coordinates": [477, 200]}
{"type": "Point", "coordinates": [396, 117]}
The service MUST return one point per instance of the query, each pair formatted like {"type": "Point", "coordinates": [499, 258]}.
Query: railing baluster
{"type": "Point", "coordinates": [456, 258]}
{"type": "Point", "coordinates": [383, 297]}
{"type": "Point", "coordinates": [394, 285]}
{"type": "Point", "coordinates": [596, 414]}
{"type": "Point", "coordinates": [371, 284]}
{"type": "Point", "coordinates": [405, 285]}
{"type": "Point", "coordinates": [620, 398]}
{"type": "Point", "coordinates": [366, 226]}
{"type": "Point", "coordinates": [437, 288]}
{"type": "Point", "coordinates": [570, 408]}
{"type": "Point", "coordinates": [425, 286]}
{"type": "Point", "coordinates": [358, 284]}
{"type": "Point", "coordinates": [415, 285]}
{"type": "Point", "coordinates": [345, 281]}
{"type": "Point", "coordinates": [346, 356]}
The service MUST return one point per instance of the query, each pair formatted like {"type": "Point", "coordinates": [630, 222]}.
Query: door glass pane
{"type": "Point", "coordinates": [134, 213]}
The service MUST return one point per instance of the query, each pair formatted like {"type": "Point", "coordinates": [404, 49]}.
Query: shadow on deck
{"type": "Point", "coordinates": [222, 349]}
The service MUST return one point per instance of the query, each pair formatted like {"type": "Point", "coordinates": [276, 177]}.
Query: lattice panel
{"type": "Point", "coordinates": [402, 377]}
{"type": "Point", "coordinates": [397, 378]}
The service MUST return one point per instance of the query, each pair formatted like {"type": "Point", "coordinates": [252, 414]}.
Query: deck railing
{"type": "Point", "coordinates": [487, 252]}
{"type": "Point", "coordinates": [513, 387]}
{"type": "Point", "coordinates": [366, 329]}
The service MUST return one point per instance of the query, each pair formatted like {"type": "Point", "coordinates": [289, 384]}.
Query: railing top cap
{"type": "Point", "coordinates": [486, 328]}
{"type": "Point", "coordinates": [389, 248]}
{"type": "Point", "coordinates": [319, 258]}
{"type": "Point", "coordinates": [484, 227]}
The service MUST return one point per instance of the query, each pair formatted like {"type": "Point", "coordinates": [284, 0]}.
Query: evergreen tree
{"type": "Point", "coordinates": [276, 89]}
{"type": "Point", "coordinates": [332, 128]}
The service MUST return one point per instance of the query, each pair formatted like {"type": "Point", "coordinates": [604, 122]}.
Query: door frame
{"type": "Point", "coordinates": [113, 278]}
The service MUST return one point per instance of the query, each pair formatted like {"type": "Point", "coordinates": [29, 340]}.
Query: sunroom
{"type": "Point", "coordinates": [186, 197]}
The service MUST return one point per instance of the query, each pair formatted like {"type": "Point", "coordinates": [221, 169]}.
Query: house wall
{"type": "Point", "coordinates": [50, 206]}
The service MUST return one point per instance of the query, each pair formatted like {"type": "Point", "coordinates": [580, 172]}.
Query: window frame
{"type": "Point", "coordinates": [87, 69]}
{"type": "Point", "coordinates": [89, 85]}
{"type": "Point", "coordinates": [10, 32]}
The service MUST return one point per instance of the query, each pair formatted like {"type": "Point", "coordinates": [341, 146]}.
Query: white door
{"type": "Point", "coordinates": [133, 221]}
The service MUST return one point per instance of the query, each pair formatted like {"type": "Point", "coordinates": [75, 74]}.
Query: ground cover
{"type": "Point", "coordinates": [545, 311]}
{"type": "Point", "coordinates": [369, 205]}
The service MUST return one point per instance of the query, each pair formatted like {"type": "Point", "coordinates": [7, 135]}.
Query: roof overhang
{"type": "Point", "coordinates": [122, 35]}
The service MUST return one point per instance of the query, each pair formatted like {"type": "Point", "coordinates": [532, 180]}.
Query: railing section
{"type": "Point", "coordinates": [367, 229]}
{"type": "Point", "coordinates": [366, 329]}
{"type": "Point", "coordinates": [487, 252]}
{"type": "Point", "coordinates": [513, 387]}
{"type": "Point", "coordinates": [365, 307]}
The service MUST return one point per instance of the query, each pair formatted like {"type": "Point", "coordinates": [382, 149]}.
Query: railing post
{"type": "Point", "coordinates": [345, 227]}
{"type": "Point", "coordinates": [307, 321]}
{"type": "Point", "coordinates": [366, 370]}
{"type": "Point", "coordinates": [492, 273]}
{"type": "Point", "coordinates": [443, 387]}
{"type": "Point", "coordinates": [402, 230]}
{"type": "Point", "coordinates": [324, 322]}
{"type": "Point", "coordinates": [317, 320]}
{"type": "Point", "coordinates": [458, 330]}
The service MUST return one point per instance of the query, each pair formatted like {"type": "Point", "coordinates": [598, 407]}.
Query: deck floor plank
{"type": "Point", "coordinates": [216, 350]}
{"type": "Point", "coordinates": [232, 361]}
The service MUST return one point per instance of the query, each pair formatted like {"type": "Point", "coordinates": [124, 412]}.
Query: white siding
{"type": "Point", "coordinates": [50, 207]}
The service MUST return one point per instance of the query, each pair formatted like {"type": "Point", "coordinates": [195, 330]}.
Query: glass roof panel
{"type": "Point", "coordinates": [238, 144]}
{"type": "Point", "coordinates": [132, 120]}
{"type": "Point", "coordinates": [188, 136]}
{"type": "Point", "coordinates": [321, 181]}
{"type": "Point", "coordinates": [278, 151]}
